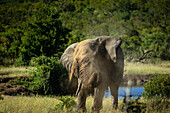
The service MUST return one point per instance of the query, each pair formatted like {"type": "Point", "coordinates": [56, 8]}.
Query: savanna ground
{"type": "Point", "coordinates": [44, 104]}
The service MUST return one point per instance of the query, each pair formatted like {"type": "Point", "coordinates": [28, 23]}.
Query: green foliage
{"type": "Point", "coordinates": [9, 43]}
{"type": "Point", "coordinates": [35, 33]}
{"type": "Point", "coordinates": [65, 102]}
{"type": "Point", "coordinates": [1, 97]}
{"type": "Point", "coordinates": [133, 106]}
{"type": "Point", "coordinates": [31, 28]}
{"type": "Point", "coordinates": [49, 77]}
{"type": "Point", "coordinates": [131, 45]}
{"type": "Point", "coordinates": [20, 81]}
{"type": "Point", "coordinates": [45, 35]}
{"type": "Point", "coordinates": [158, 105]}
{"type": "Point", "coordinates": [158, 86]}
{"type": "Point", "coordinates": [158, 42]}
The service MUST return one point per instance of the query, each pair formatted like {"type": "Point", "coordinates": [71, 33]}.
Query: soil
{"type": "Point", "coordinates": [6, 88]}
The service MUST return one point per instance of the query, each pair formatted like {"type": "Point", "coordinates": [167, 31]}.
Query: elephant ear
{"type": "Point", "coordinates": [67, 58]}
{"type": "Point", "coordinates": [111, 45]}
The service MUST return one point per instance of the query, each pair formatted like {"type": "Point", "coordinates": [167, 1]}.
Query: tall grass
{"type": "Point", "coordinates": [38, 104]}
{"type": "Point", "coordinates": [137, 68]}
{"type": "Point", "coordinates": [130, 68]}
{"type": "Point", "coordinates": [19, 104]}
{"type": "Point", "coordinates": [14, 71]}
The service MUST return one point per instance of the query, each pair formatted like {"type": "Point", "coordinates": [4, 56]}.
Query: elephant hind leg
{"type": "Point", "coordinates": [82, 99]}
{"type": "Point", "coordinates": [114, 93]}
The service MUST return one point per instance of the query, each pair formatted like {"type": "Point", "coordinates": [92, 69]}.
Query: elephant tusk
{"type": "Point", "coordinates": [79, 88]}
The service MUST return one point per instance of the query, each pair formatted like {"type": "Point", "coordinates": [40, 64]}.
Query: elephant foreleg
{"type": "Point", "coordinates": [82, 99]}
{"type": "Point", "coordinates": [98, 99]}
{"type": "Point", "coordinates": [114, 93]}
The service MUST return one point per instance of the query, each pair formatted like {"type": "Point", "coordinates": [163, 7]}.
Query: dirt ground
{"type": "Point", "coordinates": [7, 88]}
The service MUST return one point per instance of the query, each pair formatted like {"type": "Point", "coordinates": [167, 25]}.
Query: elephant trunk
{"type": "Point", "coordinates": [79, 87]}
{"type": "Point", "coordinates": [95, 80]}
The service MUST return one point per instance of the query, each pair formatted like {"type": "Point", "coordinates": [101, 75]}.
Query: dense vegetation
{"type": "Point", "coordinates": [46, 77]}
{"type": "Point", "coordinates": [30, 28]}
{"type": "Point", "coordinates": [36, 28]}
{"type": "Point", "coordinates": [157, 87]}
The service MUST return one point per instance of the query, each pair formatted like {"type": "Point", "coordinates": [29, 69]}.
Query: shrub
{"type": "Point", "coordinates": [158, 86]}
{"type": "Point", "coordinates": [159, 43]}
{"type": "Point", "coordinates": [1, 97]}
{"type": "Point", "coordinates": [131, 46]}
{"type": "Point", "coordinates": [49, 77]}
{"type": "Point", "coordinates": [160, 105]}
{"type": "Point", "coordinates": [66, 102]}
{"type": "Point", "coordinates": [44, 35]}
{"type": "Point", "coordinates": [134, 106]}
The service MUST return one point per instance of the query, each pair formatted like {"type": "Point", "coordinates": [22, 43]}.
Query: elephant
{"type": "Point", "coordinates": [97, 64]}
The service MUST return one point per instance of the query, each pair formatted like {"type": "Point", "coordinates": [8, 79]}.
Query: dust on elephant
{"type": "Point", "coordinates": [99, 64]}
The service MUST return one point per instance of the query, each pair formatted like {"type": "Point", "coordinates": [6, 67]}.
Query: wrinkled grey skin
{"type": "Point", "coordinates": [66, 60]}
{"type": "Point", "coordinates": [99, 64]}
{"type": "Point", "coordinates": [67, 57]}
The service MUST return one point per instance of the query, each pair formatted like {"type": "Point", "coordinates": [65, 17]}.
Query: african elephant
{"type": "Point", "coordinates": [99, 64]}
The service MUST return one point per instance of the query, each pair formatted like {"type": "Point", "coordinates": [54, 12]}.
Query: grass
{"type": "Point", "coordinates": [19, 104]}
{"type": "Point", "coordinates": [38, 104]}
{"type": "Point", "coordinates": [130, 68]}
{"type": "Point", "coordinates": [136, 68]}
{"type": "Point", "coordinates": [14, 71]}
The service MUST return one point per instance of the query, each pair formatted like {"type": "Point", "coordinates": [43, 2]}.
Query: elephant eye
{"type": "Point", "coordinates": [92, 46]}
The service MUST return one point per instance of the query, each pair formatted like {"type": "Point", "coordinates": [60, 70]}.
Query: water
{"type": "Point", "coordinates": [122, 92]}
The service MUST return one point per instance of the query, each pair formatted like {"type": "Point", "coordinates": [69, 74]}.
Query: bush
{"type": "Point", "coordinates": [131, 46]}
{"type": "Point", "coordinates": [44, 35]}
{"type": "Point", "coordinates": [49, 77]}
{"type": "Point", "coordinates": [159, 43]}
{"type": "Point", "coordinates": [66, 102]}
{"type": "Point", "coordinates": [1, 97]}
{"type": "Point", "coordinates": [158, 86]}
{"type": "Point", "coordinates": [160, 105]}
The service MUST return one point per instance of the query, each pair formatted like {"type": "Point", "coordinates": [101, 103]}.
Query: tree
{"type": "Point", "coordinates": [45, 35]}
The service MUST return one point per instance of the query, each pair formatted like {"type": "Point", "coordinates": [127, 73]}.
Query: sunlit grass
{"type": "Point", "coordinates": [19, 104]}
{"type": "Point", "coordinates": [130, 68]}
{"type": "Point", "coordinates": [135, 68]}
{"type": "Point", "coordinates": [14, 71]}
{"type": "Point", "coordinates": [38, 104]}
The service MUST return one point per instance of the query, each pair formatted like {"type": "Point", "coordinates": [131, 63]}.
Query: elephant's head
{"type": "Point", "coordinates": [111, 45]}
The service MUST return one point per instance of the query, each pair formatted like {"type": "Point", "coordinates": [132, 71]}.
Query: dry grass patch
{"type": "Point", "coordinates": [19, 104]}
{"type": "Point", "coordinates": [135, 68]}
{"type": "Point", "coordinates": [38, 104]}
{"type": "Point", "coordinates": [14, 71]}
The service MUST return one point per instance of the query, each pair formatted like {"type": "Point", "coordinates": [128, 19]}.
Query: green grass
{"type": "Point", "coordinates": [130, 68]}
{"type": "Point", "coordinates": [19, 104]}
{"type": "Point", "coordinates": [136, 68]}
{"type": "Point", "coordinates": [38, 104]}
{"type": "Point", "coordinates": [14, 71]}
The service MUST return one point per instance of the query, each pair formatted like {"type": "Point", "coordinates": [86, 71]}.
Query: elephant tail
{"type": "Point", "coordinates": [95, 80]}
